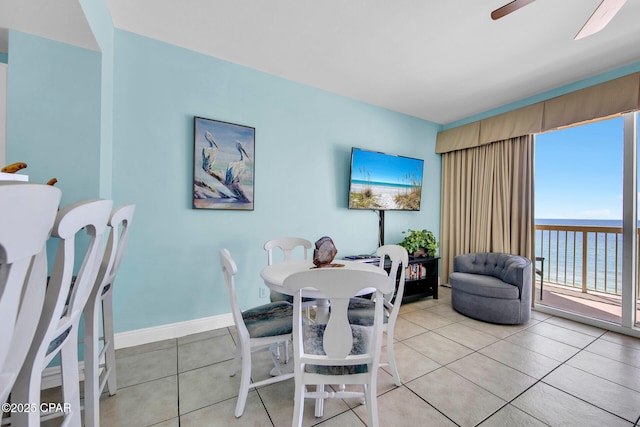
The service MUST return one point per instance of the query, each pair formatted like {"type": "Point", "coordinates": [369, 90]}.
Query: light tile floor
{"type": "Point", "coordinates": [455, 371]}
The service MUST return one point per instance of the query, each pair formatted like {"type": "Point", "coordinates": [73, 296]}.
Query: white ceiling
{"type": "Point", "coordinates": [59, 20]}
{"type": "Point", "coordinates": [440, 60]}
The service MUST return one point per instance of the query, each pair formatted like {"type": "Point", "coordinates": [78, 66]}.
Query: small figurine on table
{"type": "Point", "coordinates": [324, 253]}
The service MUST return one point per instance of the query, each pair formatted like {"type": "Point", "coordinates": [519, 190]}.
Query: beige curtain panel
{"type": "Point", "coordinates": [487, 201]}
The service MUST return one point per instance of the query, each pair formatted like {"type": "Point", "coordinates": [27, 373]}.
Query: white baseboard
{"type": "Point", "coordinates": [51, 375]}
{"type": "Point", "coordinates": [172, 330]}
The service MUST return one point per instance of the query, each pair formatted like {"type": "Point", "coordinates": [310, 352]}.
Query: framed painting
{"type": "Point", "coordinates": [223, 165]}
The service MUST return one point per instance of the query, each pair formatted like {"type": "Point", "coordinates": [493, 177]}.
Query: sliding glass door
{"type": "Point", "coordinates": [586, 182]}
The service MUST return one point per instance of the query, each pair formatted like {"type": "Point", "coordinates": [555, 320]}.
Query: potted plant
{"type": "Point", "coordinates": [420, 243]}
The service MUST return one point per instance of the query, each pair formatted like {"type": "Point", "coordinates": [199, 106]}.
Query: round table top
{"type": "Point", "coordinates": [274, 275]}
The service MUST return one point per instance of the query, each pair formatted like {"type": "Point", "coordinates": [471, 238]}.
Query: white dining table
{"type": "Point", "coordinates": [275, 274]}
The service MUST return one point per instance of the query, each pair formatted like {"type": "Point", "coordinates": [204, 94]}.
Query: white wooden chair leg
{"type": "Point", "coordinates": [237, 361]}
{"type": "Point", "coordinates": [319, 412]}
{"type": "Point", "coordinates": [391, 358]}
{"type": "Point", "coordinates": [91, 370]}
{"type": "Point", "coordinates": [372, 404]}
{"type": "Point", "coordinates": [245, 380]}
{"type": "Point", "coordinates": [110, 352]}
{"type": "Point", "coordinates": [298, 405]}
{"type": "Point", "coordinates": [26, 389]}
{"type": "Point", "coordinates": [276, 351]}
{"type": "Point", "coordinates": [71, 380]}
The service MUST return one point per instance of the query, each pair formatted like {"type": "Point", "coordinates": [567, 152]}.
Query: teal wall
{"type": "Point", "coordinates": [303, 142]}
{"type": "Point", "coordinates": [53, 113]}
{"type": "Point", "coordinates": [4, 57]}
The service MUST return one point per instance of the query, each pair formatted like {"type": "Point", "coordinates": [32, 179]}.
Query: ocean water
{"type": "Point", "coordinates": [563, 252]}
{"type": "Point", "coordinates": [382, 184]}
{"type": "Point", "coordinates": [581, 222]}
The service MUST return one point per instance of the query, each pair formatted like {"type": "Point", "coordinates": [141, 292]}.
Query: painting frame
{"type": "Point", "coordinates": [223, 165]}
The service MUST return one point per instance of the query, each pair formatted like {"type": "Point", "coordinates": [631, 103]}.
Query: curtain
{"type": "Point", "coordinates": [606, 99]}
{"type": "Point", "coordinates": [487, 201]}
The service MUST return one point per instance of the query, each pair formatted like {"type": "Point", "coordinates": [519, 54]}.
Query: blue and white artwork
{"type": "Point", "coordinates": [223, 165]}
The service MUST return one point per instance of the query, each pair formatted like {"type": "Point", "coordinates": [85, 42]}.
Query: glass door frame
{"type": "Point", "coordinates": [630, 221]}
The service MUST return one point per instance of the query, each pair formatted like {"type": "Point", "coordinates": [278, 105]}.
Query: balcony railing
{"type": "Point", "coordinates": [581, 257]}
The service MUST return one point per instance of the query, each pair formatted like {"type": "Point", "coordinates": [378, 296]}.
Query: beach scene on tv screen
{"type": "Point", "coordinates": [384, 181]}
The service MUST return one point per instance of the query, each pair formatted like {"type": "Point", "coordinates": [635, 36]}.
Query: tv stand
{"type": "Point", "coordinates": [421, 275]}
{"type": "Point", "coordinates": [380, 228]}
{"type": "Point", "coordinates": [421, 278]}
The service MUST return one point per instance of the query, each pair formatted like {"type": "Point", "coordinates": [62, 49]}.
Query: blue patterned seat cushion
{"type": "Point", "coordinates": [361, 312]}
{"type": "Point", "coordinates": [277, 296]}
{"type": "Point", "coordinates": [313, 345]}
{"type": "Point", "coordinates": [57, 341]}
{"type": "Point", "coordinates": [269, 320]}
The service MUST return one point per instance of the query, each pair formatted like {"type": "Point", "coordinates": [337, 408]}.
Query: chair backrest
{"type": "Point", "coordinates": [339, 286]}
{"type": "Point", "coordinates": [399, 260]}
{"type": "Point", "coordinates": [64, 303]}
{"type": "Point", "coordinates": [26, 219]}
{"type": "Point", "coordinates": [119, 223]}
{"type": "Point", "coordinates": [287, 245]}
{"type": "Point", "coordinates": [229, 270]}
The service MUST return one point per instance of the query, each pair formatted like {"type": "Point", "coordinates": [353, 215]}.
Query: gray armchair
{"type": "Point", "coordinates": [493, 287]}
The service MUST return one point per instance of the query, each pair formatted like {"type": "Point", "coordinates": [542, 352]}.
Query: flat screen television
{"type": "Point", "coordinates": [382, 181]}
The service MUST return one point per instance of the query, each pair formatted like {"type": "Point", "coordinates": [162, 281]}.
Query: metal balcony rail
{"type": "Point", "coordinates": [582, 257]}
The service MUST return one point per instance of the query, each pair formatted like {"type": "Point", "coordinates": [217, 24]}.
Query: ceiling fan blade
{"type": "Point", "coordinates": [508, 8]}
{"type": "Point", "coordinates": [600, 18]}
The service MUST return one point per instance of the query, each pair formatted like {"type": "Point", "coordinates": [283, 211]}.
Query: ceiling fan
{"type": "Point", "coordinates": [598, 20]}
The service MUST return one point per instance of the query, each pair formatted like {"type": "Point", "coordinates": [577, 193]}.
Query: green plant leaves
{"type": "Point", "coordinates": [416, 239]}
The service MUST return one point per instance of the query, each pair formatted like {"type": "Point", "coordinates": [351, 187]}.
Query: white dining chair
{"type": "Point", "coordinates": [260, 328]}
{"type": "Point", "coordinates": [57, 331]}
{"type": "Point", "coordinates": [336, 352]}
{"type": "Point", "coordinates": [287, 246]}
{"type": "Point", "coordinates": [101, 300]}
{"type": "Point", "coordinates": [26, 219]}
{"type": "Point", "coordinates": [361, 310]}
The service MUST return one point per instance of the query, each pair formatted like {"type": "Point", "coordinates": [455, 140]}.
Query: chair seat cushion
{"type": "Point", "coordinates": [269, 320]}
{"type": "Point", "coordinates": [57, 342]}
{"type": "Point", "coordinates": [312, 343]}
{"type": "Point", "coordinates": [485, 286]}
{"type": "Point", "coordinates": [361, 312]}
{"type": "Point", "coordinates": [276, 296]}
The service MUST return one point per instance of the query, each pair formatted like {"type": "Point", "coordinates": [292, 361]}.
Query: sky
{"type": "Point", "coordinates": [578, 172]}
{"type": "Point", "coordinates": [378, 167]}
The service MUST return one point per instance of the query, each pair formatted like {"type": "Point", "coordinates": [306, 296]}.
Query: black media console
{"type": "Point", "coordinates": [421, 277]}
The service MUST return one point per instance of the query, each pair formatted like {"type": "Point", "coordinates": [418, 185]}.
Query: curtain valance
{"type": "Point", "coordinates": [616, 96]}
{"type": "Point", "coordinates": [458, 138]}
